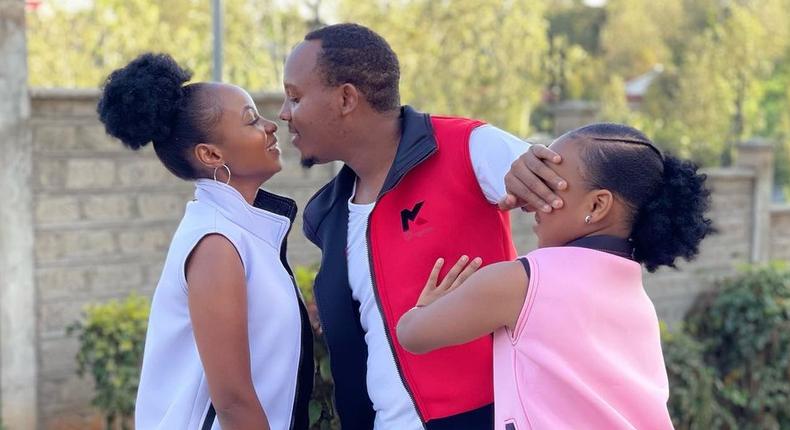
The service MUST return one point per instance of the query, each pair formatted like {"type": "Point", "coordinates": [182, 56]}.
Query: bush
{"type": "Point", "coordinates": [112, 336]}
{"type": "Point", "coordinates": [693, 404]}
{"type": "Point", "coordinates": [322, 411]}
{"type": "Point", "coordinates": [744, 329]}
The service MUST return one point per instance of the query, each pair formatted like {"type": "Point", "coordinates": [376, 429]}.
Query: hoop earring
{"type": "Point", "coordinates": [587, 219]}
{"type": "Point", "coordinates": [227, 169]}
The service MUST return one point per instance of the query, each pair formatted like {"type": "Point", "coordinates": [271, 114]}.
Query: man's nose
{"type": "Point", "coordinates": [285, 112]}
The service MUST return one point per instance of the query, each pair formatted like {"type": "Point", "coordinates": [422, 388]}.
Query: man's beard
{"type": "Point", "coordinates": [308, 162]}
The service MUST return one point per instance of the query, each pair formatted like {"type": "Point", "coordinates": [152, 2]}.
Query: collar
{"type": "Point", "coordinates": [416, 144]}
{"type": "Point", "coordinates": [269, 218]}
{"type": "Point", "coordinates": [606, 243]}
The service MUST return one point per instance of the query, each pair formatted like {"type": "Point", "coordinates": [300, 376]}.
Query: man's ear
{"type": "Point", "coordinates": [208, 155]}
{"type": "Point", "coordinates": [350, 97]}
{"type": "Point", "coordinates": [600, 204]}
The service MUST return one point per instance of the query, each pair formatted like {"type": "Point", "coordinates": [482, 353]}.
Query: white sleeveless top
{"type": "Point", "coordinates": [173, 392]}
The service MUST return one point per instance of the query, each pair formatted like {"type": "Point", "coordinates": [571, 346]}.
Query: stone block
{"type": "Point", "coordinates": [58, 283]}
{"type": "Point", "coordinates": [107, 207]}
{"type": "Point", "coordinates": [49, 174]}
{"type": "Point", "coordinates": [115, 278]}
{"type": "Point", "coordinates": [162, 206]}
{"type": "Point", "coordinates": [144, 172]}
{"type": "Point", "coordinates": [58, 357]}
{"type": "Point", "coordinates": [65, 394]}
{"type": "Point", "coordinates": [55, 316]}
{"type": "Point", "coordinates": [73, 245]}
{"type": "Point", "coordinates": [56, 209]}
{"type": "Point", "coordinates": [87, 173]}
{"type": "Point", "coordinates": [93, 138]}
{"type": "Point", "coordinates": [54, 138]}
{"type": "Point", "coordinates": [151, 242]}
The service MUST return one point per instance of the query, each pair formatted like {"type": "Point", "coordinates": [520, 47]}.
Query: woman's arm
{"type": "Point", "coordinates": [489, 299]}
{"type": "Point", "coordinates": [218, 310]}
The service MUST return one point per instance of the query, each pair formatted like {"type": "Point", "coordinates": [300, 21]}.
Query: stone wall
{"type": "Point", "coordinates": [780, 228]}
{"type": "Point", "coordinates": [103, 217]}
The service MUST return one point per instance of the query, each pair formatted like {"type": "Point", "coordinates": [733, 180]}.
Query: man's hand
{"type": "Point", "coordinates": [455, 277]}
{"type": "Point", "coordinates": [526, 182]}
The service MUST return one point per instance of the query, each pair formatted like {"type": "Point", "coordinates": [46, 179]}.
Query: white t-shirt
{"type": "Point", "coordinates": [492, 151]}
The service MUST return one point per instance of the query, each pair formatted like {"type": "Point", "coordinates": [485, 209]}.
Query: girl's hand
{"type": "Point", "coordinates": [455, 277]}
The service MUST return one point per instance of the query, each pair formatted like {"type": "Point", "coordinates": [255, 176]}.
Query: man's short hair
{"type": "Point", "coordinates": [354, 54]}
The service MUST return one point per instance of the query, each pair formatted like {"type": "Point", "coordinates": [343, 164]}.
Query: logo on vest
{"type": "Point", "coordinates": [411, 216]}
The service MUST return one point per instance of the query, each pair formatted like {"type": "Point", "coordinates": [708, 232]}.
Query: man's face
{"type": "Point", "coordinates": [310, 107]}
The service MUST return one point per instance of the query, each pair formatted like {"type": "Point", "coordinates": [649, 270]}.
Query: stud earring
{"type": "Point", "coordinates": [587, 219]}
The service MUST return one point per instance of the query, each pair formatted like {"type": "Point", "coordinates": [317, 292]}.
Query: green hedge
{"type": "Point", "coordinates": [693, 404]}
{"type": "Point", "coordinates": [744, 329]}
{"type": "Point", "coordinates": [112, 336]}
{"type": "Point", "coordinates": [322, 411]}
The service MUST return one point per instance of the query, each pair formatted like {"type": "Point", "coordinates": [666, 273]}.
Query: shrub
{"type": "Point", "coordinates": [111, 337]}
{"type": "Point", "coordinates": [693, 384]}
{"type": "Point", "coordinates": [322, 411]}
{"type": "Point", "coordinates": [744, 329]}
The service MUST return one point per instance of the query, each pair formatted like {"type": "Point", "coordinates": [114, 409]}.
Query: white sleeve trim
{"type": "Point", "coordinates": [492, 151]}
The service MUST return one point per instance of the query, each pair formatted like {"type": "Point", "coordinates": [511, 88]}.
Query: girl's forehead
{"type": "Point", "coordinates": [564, 145]}
{"type": "Point", "coordinates": [570, 151]}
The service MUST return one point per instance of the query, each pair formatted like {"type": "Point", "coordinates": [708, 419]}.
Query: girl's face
{"type": "Point", "coordinates": [248, 143]}
{"type": "Point", "coordinates": [570, 222]}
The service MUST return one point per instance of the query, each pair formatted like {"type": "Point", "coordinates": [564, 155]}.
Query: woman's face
{"type": "Point", "coordinates": [567, 224]}
{"type": "Point", "coordinates": [247, 140]}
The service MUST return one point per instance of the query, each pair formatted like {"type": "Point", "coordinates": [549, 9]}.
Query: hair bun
{"type": "Point", "coordinates": [673, 223]}
{"type": "Point", "coordinates": [139, 101]}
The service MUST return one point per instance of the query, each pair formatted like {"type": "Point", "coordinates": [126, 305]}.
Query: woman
{"type": "Point", "coordinates": [228, 343]}
{"type": "Point", "coordinates": [576, 338]}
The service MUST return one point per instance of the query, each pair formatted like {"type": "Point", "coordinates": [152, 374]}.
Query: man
{"type": "Point", "coordinates": [414, 187]}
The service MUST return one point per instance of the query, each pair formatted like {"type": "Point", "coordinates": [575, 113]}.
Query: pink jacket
{"type": "Point", "coordinates": [586, 351]}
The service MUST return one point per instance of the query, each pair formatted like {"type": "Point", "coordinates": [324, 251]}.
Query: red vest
{"type": "Point", "coordinates": [437, 210]}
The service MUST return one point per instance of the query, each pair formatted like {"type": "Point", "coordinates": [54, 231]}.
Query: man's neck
{"type": "Point", "coordinates": [374, 153]}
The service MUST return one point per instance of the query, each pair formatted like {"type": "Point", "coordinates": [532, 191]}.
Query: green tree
{"type": "Point", "coordinates": [717, 56]}
{"type": "Point", "coordinates": [480, 58]}
{"type": "Point", "coordinates": [633, 39]}
{"type": "Point", "coordinates": [78, 48]}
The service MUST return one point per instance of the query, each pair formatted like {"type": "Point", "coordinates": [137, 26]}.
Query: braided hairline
{"type": "Point", "coordinates": [636, 141]}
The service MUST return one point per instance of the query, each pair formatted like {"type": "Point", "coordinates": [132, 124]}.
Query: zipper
{"type": "Point", "coordinates": [378, 297]}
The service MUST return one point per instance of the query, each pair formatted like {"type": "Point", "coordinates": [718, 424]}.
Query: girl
{"type": "Point", "coordinates": [576, 338]}
{"type": "Point", "coordinates": [228, 340]}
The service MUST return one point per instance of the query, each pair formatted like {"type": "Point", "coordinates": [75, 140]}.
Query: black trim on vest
{"type": "Point", "coordinates": [338, 311]}
{"type": "Point", "coordinates": [476, 419]}
{"type": "Point", "coordinates": [326, 225]}
{"type": "Point", "coordinates": [416, 144]}
{"type": "Point", "coordinates": [525, 263]}
{"type": "Point", "coordinates": [210, 416]}
{"type": "Point", "coordinates": [276, 204]}
{"type": "Point", "coordinates": [300, 419]}
{"type": "Point", "coordinates": [606, 243]}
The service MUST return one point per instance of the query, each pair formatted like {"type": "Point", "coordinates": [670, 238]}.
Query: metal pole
{"type": "Point", "coordinates": [217, 21]}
